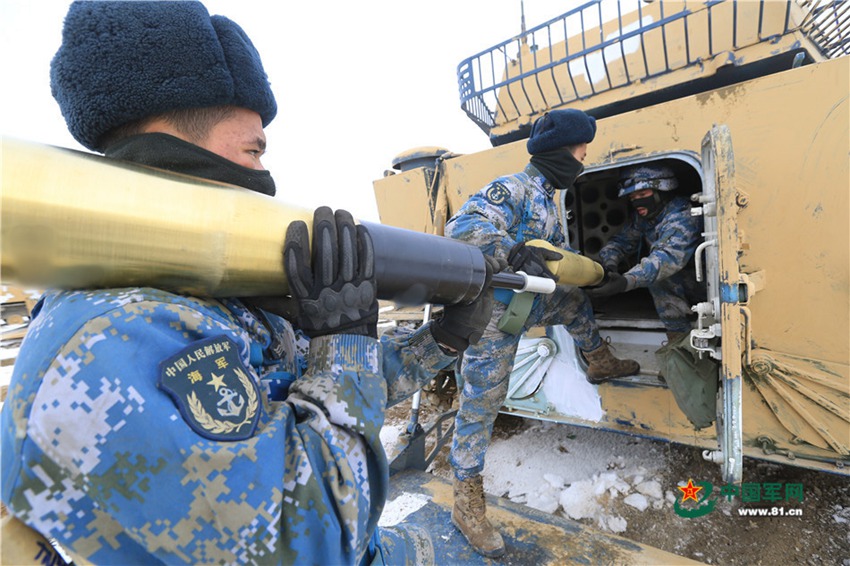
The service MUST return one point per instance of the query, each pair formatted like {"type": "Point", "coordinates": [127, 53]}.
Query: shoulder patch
{"type": "Point", "coordinates": [213, 390]}
{"type": "Point", "coordinates": [497, 193]}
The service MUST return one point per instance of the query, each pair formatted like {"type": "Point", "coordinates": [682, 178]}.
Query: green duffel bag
{"type": "Point", "coordinates": [692, 380]}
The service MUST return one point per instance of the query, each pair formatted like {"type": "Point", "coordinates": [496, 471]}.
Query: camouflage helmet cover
{"type": "Point", "coordinates": [655, 177]}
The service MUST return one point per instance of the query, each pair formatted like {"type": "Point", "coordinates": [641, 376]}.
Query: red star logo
{"type": "Point", "coordinates": [690, 491]}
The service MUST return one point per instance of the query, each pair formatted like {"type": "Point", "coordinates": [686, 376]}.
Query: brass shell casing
{"type": "Point", "coordinates": [572, 269]}
{"type": "Point", "coordinates": [73, 220]}
{"type": "Point", "coordinates": [77, 220]}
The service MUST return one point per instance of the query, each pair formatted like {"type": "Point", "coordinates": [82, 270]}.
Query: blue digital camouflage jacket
{"type": "Point", "coordinates": [511, 209]}
{"type": "Point", "coordinates": [673, 236]}
{"type": "Point", "coordinates": [142, 426]}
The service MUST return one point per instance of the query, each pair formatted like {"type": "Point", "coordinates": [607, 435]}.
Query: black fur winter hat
{"type": "Point", "coordinates": [122, 61]}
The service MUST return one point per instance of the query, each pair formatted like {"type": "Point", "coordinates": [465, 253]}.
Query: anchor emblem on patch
{"type": "Point", "coordinates": [212, 389]}
{"type": "Point", "coordinates": [497, 193]}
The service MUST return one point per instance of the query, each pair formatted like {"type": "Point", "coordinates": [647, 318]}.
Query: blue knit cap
{"type": "Point", "coordinates": [122, 61]}
{"type": "Point", "coordinates": [559, 128]}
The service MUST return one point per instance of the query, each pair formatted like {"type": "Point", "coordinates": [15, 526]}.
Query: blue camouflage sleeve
{"type": "Point", "coordinates": [485, 220]}
{"type": "Point", "coordinates": [97, 455]}
{"type": "Point", "coordinates": [677, 238]}
{"type": "Point", "coordinates": [410, 360]}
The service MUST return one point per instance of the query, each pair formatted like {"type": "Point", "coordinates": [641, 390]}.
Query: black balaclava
{"type": "Point", "coordinates": [167, 152]}
{"type": "Point", "coordinates": [653, 204]}
{"type": "Point", "coordinates": [559, 166]}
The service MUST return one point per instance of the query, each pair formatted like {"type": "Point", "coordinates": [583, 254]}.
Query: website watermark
{"type": "Point", "coordinates": [772, 512]}
{"type": "Point", "coordinates": [701, 498]}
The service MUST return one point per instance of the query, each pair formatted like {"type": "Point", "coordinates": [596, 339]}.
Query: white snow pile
{"type": "Point", "coordinates": [593, 498]}
{"type": "Point", "coordinates": [580, 473]}
{"type": "Point", "coordinates": [577, 472]}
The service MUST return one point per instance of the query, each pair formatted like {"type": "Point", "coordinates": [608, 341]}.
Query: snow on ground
{"type": "Point", "coordinates": [550, 466]}
{"type": "Point", "coordinates": [629, 486]}
{"type": "Point", "coordinates": [568, 470]}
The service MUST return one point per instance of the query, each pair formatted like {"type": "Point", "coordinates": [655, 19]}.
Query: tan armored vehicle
{"type": "Point", "coordinates": [748, 103]}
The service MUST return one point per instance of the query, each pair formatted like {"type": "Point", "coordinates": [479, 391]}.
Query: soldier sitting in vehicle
{"type": "Point", "coordinates": [661, 219]}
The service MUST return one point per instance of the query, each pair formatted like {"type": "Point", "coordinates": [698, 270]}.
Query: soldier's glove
{"type": "Point", "coordinates": [461, 325]}
{"type": "Point", "coordinates": [532, 260]}
{"type": "Point", "coordinates": [335, 289]}
{"type": "Point", "coordinates": [612, 284]}
{"type": "Point", "coordinates": [611, 266]}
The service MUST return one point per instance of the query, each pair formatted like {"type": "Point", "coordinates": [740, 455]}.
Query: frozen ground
{"type": "Point", "coordinates": [629, 486]}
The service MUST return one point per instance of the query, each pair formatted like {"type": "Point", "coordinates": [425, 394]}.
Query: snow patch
{"type": "Point", "coordinates": [617, 524]}
{"type": "Point", "coordinates": [574, 474]}
{"type": "Point", "coordinates": [570, 394]}
{"type": "Point", "coordinates": [650, 489]}
{"type": "Point", "coordinates": [397, 510]}
{"type": "Point", "coordinates": [579, 500]}
{"type": "Point", "coordinates": [555, 481]}
{"type": "Point", "coordinates": [637, 501]}
{"type": "Point", "coordinates": [570, 471]}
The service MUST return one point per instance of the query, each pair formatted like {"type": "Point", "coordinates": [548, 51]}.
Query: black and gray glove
{"type": "Point", "coordinates": [532, 260]}
{"type": "Point", "coordinates": [461, 325]}
{"type": "Point", "coordinates": [611, 266]}
{"type": "Point", "coordinates": [335, 289]}
{"type": "Point", "coordinates": [612, 284]}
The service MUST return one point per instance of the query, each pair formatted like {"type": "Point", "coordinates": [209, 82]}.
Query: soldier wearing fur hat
{"type": "Point", "coordinates": [147, 427]}
{"type": "Point", "coordinates": [661, 220]}
{"type": "Point", "coordinates": [500, 219]}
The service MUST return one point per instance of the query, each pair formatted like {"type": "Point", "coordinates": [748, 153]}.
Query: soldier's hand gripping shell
{"type": "Point", "coordinates": [613, 284]}
{"type": "Point", "coordinates": [532, 260]}
{"type": "Point", "coordinates": [335, 285]}
{"type": "Point", "coordinates": [611, 267]}
{"type": "Point", "coordinates": [461, 325]}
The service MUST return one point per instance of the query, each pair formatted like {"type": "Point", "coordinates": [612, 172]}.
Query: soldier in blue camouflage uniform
{"type": "Point", "coordinates": [500, 219]}
{"type": "Point", "coordinates": [662, 221]}
{"type": "Point", "coordinates": [143, 426]}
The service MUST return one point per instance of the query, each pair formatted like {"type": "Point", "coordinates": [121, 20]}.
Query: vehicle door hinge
{"type": "Point", "coordinates": [747, 286]}
{"type": "Point", "coordinates": [753, 283]}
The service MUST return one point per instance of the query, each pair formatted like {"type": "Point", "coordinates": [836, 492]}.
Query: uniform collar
{"type": "Point", "coordinates": [538, 177]}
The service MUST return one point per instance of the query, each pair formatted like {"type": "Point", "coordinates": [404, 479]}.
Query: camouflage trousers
{"type": "Point", "coordinates": [485, 371]}
{"type": "Point", "coordinates": [673, 298]}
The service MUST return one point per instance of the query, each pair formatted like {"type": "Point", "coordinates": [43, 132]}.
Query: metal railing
{"type": "Point", "coordinates": [607, 44]}
{"type": "Point", "coordinates": [827, 24]}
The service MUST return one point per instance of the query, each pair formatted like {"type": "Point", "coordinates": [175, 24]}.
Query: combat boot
{"type": "Point", "coordinates": [602, 365]}
{"type": "Point", "coordinates": [469, 516]}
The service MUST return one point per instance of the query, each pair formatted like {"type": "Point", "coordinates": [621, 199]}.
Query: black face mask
{"type": "Point", "coordinates": [653, 204]}
{"type": "Point", "coordinates": [173, 154]}
{"type": "Point", "coordinates": [559, 166]}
